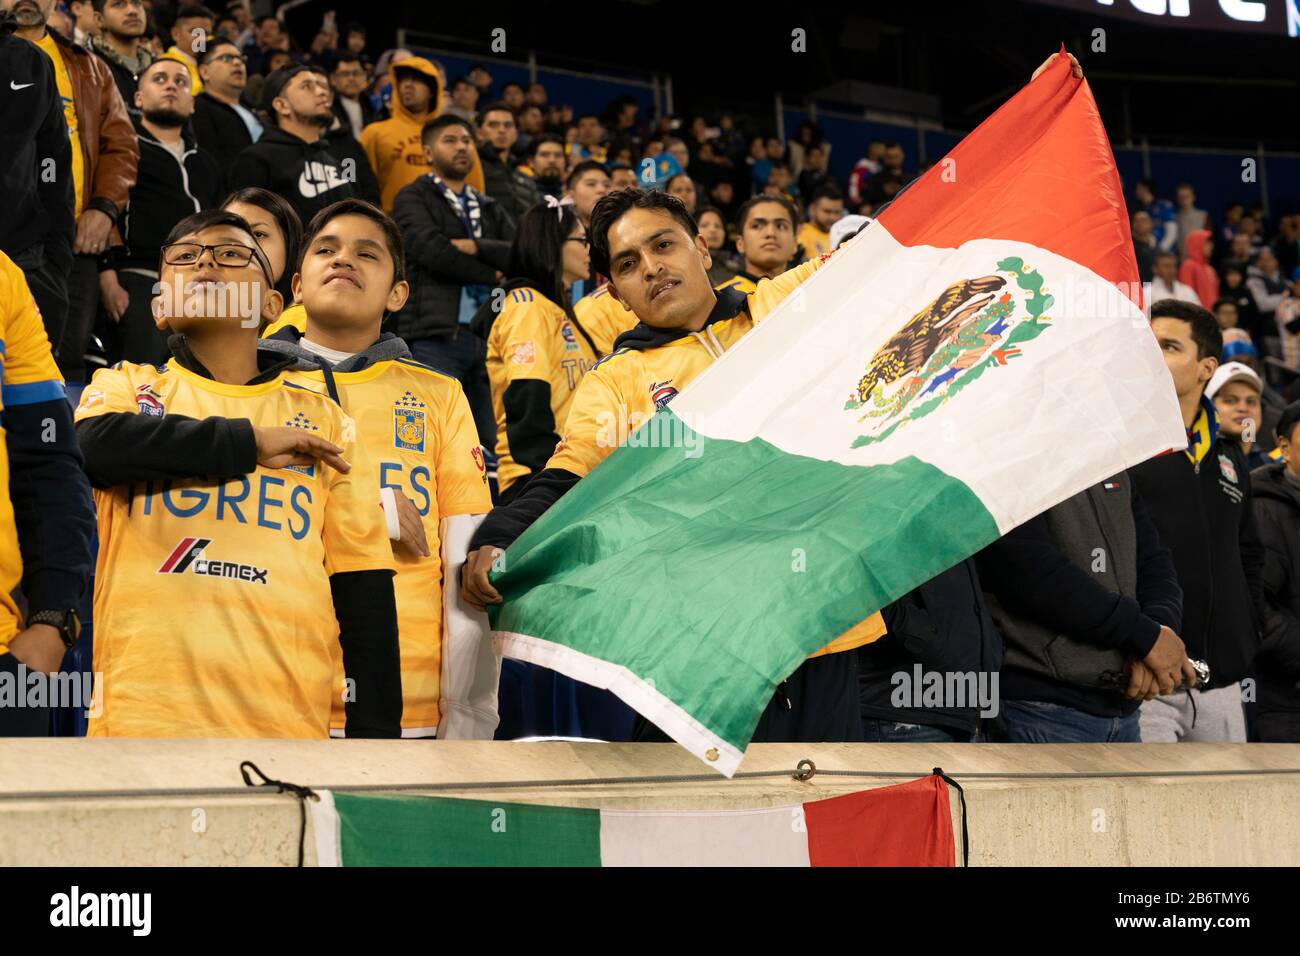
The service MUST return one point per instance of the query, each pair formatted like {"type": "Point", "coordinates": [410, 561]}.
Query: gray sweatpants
{"type": "Point", "coordinates": [1218, 717]}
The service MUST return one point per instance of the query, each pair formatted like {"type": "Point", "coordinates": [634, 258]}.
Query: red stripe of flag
{"type": "Point", "coordinates": [905, 825]}
{"type": "Point", "coordinates": [1006, 181]}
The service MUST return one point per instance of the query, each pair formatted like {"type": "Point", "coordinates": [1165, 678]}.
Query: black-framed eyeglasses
{"type": "Point", "coordinates": [231, 58]}
{"type": "Point", "coordinates": [582, 239]}
{"type": "Point", "coordinates": [228, 255]}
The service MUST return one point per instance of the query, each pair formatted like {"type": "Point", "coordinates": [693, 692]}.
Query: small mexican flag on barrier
{"type": "Point", "coordinates": [905, 825]}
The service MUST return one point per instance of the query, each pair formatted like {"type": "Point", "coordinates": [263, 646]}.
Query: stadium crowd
{"type": "Point", "coordinates": [447, 284]}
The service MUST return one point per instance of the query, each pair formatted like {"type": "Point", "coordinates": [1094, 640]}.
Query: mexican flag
{"type": "Point", "coordinates": [906, 825]}
{"type": "Point", "coordinates": [974, 357]}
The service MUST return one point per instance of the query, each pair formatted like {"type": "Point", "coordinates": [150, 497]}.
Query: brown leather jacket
{"type": "Point", "coordinates": [108, 142]}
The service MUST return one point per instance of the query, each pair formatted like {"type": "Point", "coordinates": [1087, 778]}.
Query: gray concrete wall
{"type": "Point", "coordinates": [1070, 818]}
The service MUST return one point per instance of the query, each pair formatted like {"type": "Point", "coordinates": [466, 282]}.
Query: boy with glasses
{"type": "Point", "coordinates": [238, 525]}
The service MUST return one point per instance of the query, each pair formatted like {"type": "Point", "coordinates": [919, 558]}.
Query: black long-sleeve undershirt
{"type": "Point", "coordinates": [504, 524]}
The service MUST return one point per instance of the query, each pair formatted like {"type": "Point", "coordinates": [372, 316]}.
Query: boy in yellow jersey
{"type": "Point", "coordinates": [766, 242]}
{"type": "Point", "coordinates": [415, 425]}
{"type": "Point", "coordinates": [46, 516]}
{"type": "Point", "coordinates": [537, 350]}
{"type": "Point", "coordinates": [658, 265]}
{"type": "Point", "coordinates": [239, 532]}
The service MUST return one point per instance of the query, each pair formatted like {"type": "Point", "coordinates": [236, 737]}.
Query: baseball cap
{"type": "Point", "coordinates": [1290, 416]}
{"type": "Point", "coordinates": [1230, 372]}
{"type": "Point", "coordinates": [846, 227]}
{"type": "Point", "coordinates": [279, 79]}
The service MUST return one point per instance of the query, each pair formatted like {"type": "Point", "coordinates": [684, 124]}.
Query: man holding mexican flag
{"type": "Point", "coordinates": [898, 412]}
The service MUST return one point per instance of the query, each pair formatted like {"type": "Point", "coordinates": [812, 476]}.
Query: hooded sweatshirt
{"type": "Point", "coordinates": [310, 176]}
{"type": "Point", "coordinates": [1197, 272]}
{"type": "Point", "coordinates": [418, 433]}
{"type": "Point", "coordinates": [1277, 513]}
{"type": "Point", "coordinates": [394, 147]}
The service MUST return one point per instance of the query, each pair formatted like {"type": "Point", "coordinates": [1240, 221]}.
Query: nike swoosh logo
{"type": "Point", "coordinates": [309, 189]}
{"type": "Point", "coordinates": [19, 86]}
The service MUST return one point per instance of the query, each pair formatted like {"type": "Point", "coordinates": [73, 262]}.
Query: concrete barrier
{"type": "Point", "coordinates": [70, 802]}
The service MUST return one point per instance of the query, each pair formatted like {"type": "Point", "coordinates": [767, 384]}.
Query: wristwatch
{"type": "Point", "coordinates": [65, 622]}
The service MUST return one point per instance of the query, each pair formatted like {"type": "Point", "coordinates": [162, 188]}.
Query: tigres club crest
{"type": "Point", "coordinates": [408, 423]}
{"type": "Point", "coordinates": [975, 325]}
{"type": "Point", "coordinates": [661, 393]}
{"type": "Point", "coordinates": [477, 454]}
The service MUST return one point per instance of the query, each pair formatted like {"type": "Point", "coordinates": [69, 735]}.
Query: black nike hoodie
{"type": "Point", "coordinates": [310, 176]}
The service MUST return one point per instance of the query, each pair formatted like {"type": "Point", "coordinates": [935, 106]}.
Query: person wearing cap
{"type": "Point", "coordinates": [1235, 390]}
{"type": "Point", "coordinates": [296, 157]}
{"type": "Point", "coordinates": [1200, 501]}
{"type": "Point", "coordinates": [1276, 487]}
{"type": "Point", "coordinates": [1237, 347]}
{"type": "Point", "coordinates": [848, 227]}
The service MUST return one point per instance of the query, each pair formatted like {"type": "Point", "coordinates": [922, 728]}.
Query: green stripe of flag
{"type": "Point", "coordinates": [713, 589]}
{"type": "Point", "coordinates": [418, 831]}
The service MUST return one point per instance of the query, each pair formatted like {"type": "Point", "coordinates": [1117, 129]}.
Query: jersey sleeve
{"type": "Point", "coordinates": [460, 469]}
{"type": "Point", "coordinates": [355, 531]}
{"type": "Point", "coordinates": [598, 421]}
{"type": "Point", "coordinates": [109, 392]}
{"type": "Point", "coordinates": [527, 350]}
{"type": "Point", "coordinates": [30, 374]}
{"type": "Point", "coordinates": [772, 292]}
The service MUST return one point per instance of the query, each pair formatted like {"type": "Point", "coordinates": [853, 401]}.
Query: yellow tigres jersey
{"type": "Point", "coordinates": [604, 318]}
{"type": "Point", "coordinates": [813, 241]}
{"type": "Point", "coordinates": [624, 391]}
{"type": "Point", "coordinates": [64, 81]}
{"type": "Point", "coordinates": [417, 431]}
{"type": "Point", "coordinates": [743, 282]}
{"type": "Point", "coordinates": [295, 315]}
{"type": "Point", "coordinates": [30, 376]}
{"type": "Point", "coordinates": [213, 611]}
{"type": "Point", "coordinates": [532, 338]}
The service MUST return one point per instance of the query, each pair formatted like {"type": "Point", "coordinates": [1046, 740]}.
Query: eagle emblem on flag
{"type": "Point", "coordinates": [971, 327]}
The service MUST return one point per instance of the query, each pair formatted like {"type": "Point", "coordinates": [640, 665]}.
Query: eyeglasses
{"type": "Point", "coordinates": [227, 255]}
{"type": "Point", "coordinates": [582, 239]}
{"type": "Point", "coordinates": [231, 58]}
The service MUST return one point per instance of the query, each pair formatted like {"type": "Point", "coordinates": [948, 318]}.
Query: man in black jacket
{"type": "Point", "coordinates": [352, 107]}
{"type": "Point", "coordinates": [177, 178]}
{"type": "Point", "coordinates": [223, 126]}
{"type": "Point", "coordinates": [45, 536]}
{"type": "Point", "coordinates": [502, 179]}
{"type": "Point", "coordinates": [1087, 600]}
{"type": "Point", "coordinates": [120, 43]}
{"type": "Point", "coordinates": [1200, 501]}
{"type": "Point", "coordinates": [457, 247]}
{"type": "Point", "coordinates": [1276, 488]}
{"type": "Point", "coordinates": [935, 673]}
{"type": "Point", "coordinates": [297, 158]}
{"type": "Point", "coordinates": [37, 229]}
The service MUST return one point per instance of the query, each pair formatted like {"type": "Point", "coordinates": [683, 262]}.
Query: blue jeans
{"type": "Point", "coordinates": [463, 356]}
{"type": "Point", "coordinates": [1038, 722]}
{"type": "Point", "coordinates": [893, 732]}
